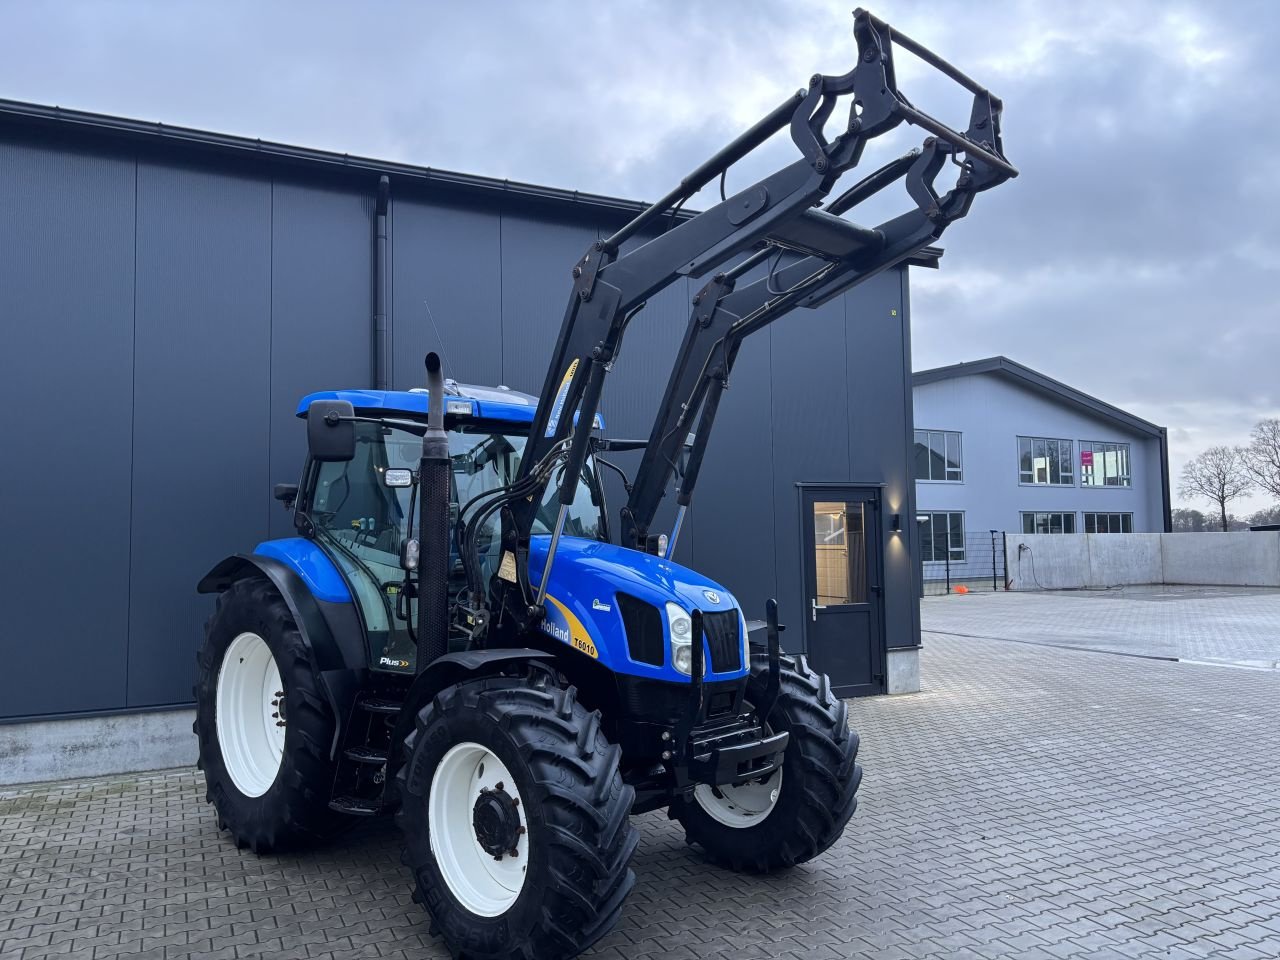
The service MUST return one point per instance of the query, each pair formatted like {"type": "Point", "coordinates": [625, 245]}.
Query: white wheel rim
{"type": "Point", "coordinates": [484, 885]}
{"type": "Point", "coordinates": [250, 732]}
{"type": "Point", "coordinates": [744, 805]}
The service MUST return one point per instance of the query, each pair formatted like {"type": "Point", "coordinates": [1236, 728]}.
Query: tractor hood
{"type": "Point", "coordinates": [582, 599]}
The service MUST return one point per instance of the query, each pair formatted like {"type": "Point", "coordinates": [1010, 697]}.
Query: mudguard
{"type": "Point", "coordinates": [334, 634]}
{"type": "Point", "coordinates": [332, 631]}
{"type": "Point", "coordinates": [450, 669]}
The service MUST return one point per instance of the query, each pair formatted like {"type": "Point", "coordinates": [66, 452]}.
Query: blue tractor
{"type": "Point", "coordinates": [458, 637]}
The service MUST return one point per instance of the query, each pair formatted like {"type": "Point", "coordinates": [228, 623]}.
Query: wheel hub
{"type": "Point", "coordinates": [496, 819]}
{"type": "Point", "coordinates": [473, 819]}
{"type": "Point", "coordinates": [250, 714]}
{"type": "Point", "coordinates": [744, 805]}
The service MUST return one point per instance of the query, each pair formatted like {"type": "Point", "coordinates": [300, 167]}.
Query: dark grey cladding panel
{"type": "Point", "coordinates": [321, 310]}
{"type": "Point", "coordinates": [639, 377]}
{"type": "Point", "coordinates": [446, 292]}
{"type": "Point", "coordinates": [537, 258]}
{"type": "Point", "coordinates": [634, 387]}
{"type": "Point", "coordinates": [202, 404]}
{"type": "Point", "coordinates": [66, 375]}
{"type": "Point", "coordinates": [734, 506]}
{"type": "Point", "coordinates": [810, 379]}
{"type": "Point", "coordinates": [880, 433]}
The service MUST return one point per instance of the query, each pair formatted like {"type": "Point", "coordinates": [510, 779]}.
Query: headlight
{"type": "Point", "coordinates": [681, 629]}
{"type": "Point", "coordinates": [746, 643]}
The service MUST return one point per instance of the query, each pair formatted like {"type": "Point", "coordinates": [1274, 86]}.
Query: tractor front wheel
{"type": "Point", "coordinates": [800, 809]}
{"type": "Point", "coordinates": [515, 820]}
{"type": "Point", "coordinates": [264, 727]}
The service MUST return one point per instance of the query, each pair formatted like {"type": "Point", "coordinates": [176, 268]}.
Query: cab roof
{"type": "Point", "coordinates": [461, 400]}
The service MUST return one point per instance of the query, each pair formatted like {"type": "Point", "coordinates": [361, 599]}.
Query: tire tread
{"type": "Point", "coordinates": [294, 813]}
{"type": "Point", "coordinates": [577, 783]}
{"type": "Point", "coordinates": [827, 751]}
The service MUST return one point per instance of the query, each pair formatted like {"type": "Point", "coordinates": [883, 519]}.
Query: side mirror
{"type": "Point", "coordinates": [331, 436]}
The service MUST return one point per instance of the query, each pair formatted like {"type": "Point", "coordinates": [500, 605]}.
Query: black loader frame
{"type": "Point", "coordinates": [826, 254]}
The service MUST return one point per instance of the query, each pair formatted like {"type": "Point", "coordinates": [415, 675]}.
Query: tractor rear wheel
{"type": "Point", "coordinates": [515, 820]}
{"type": "Point", "coordinates": [263, 724]}
{"type": "Point", "coordinates": [799, 810]}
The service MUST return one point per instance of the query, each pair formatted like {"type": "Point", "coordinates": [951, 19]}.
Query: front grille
{"type": "Point", "coordinates": [664, 702]}
{"type": "Point", "coordinates": [723, 640]}
{"type": "Point", "coordinates": [643, 624]}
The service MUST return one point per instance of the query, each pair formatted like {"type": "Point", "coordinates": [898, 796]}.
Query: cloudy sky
{"type": "Point", "coordinates": [1136, 257]}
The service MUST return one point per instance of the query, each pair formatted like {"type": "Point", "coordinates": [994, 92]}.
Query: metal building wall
{"type": "Point", "coordinates": [991, 412]}
{"type": "Point", "coordinates": [162, 311]}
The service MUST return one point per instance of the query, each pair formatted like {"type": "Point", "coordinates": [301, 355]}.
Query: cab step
{"type": "Point", "coordinates": [376, 755]}
{"type": "Point", "coordinates": [378, 705]}
{"type": "Point", "coordinates": [356, 806]}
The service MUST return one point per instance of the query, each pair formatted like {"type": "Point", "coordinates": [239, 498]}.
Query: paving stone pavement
{"type": "Point", "coordinates": [1236, 625]}
{"type": "Point", "coordinates": [1032, 802]}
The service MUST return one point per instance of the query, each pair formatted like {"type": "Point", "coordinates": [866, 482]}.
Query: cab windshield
{"type": "Point", "coordinates": [363, 522]}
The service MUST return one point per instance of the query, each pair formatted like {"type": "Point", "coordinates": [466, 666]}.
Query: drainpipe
{"type": "Point", "coordinates": [381, 339]}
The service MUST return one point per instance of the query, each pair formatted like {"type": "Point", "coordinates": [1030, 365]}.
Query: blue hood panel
{"type": "Point", "coordinates": [583, 610]}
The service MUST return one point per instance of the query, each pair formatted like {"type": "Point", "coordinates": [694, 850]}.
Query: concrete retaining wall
{"type": "Point", "coordinates": [96, 746]}
{"type": "Point", "coordinates": [1080, 561]}
{"type": "Point", "coordinates": [1241, 559]}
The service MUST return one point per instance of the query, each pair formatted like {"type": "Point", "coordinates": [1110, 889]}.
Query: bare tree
{"type": "Point", "coordinates": [1267, 515]}
{"type": "Point", "coordinates": [1218, 475]}
{"type": "Point", "coordinates": [1262, 455]}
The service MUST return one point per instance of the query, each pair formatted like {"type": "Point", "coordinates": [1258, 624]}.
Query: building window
{"type": "Point", "coordinates": [1108, 523]}
{"type": "Point", "coordinates": [941, 535]}
{"type": "Point", "coordinates": [938, 455]}
{"type": "Point", "coordinates": [1104, 464]}
{"type": "Point", "coordinates": [1048, 523]}
{"type": "Point", "coordinates": [1041, 460]}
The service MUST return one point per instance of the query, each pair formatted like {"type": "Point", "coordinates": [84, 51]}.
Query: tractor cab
{"type": "Point", "coordinates": [359, 512]}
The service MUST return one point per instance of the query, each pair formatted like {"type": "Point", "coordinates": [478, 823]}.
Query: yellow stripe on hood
{"type": "Point", "coordinates": [579, 638]}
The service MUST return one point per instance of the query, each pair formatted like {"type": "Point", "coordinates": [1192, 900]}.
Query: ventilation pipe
{"type": "Point", "coordinates": [433, 525]}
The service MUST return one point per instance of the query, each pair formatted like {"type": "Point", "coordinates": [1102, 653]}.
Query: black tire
{"type": "Point", "coordinates": [294, 810]}
{"type": "Point", "coordinates": [576, 809]}
{"type": "Point", "coordinates": [820, 778]}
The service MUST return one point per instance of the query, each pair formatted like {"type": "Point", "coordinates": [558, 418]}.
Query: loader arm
{"type": "Point", "coordinates": [611, 285]}
{"type": "Point", "coordinates": [724, 314]}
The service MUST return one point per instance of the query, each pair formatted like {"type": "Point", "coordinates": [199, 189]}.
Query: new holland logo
{"type": "Point", "coordinates": [556, 630]}
{"type": "Point", "coordinates": [711, 595]}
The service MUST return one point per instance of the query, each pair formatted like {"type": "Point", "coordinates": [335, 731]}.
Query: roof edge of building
{"type": "Point", "coordinates": [1041, 383]}
{"type": "Point", "coordinates": [269, 151]}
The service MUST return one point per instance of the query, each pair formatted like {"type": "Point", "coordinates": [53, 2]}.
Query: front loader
{"type": "Point", "coordinates": [454, 637]}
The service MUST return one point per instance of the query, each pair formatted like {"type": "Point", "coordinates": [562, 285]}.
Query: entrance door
{"type": "Point", "coordinates": [842, 574]}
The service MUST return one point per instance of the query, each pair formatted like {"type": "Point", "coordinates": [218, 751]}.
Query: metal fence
{"type": "Point", "coordinates": [968, 564]}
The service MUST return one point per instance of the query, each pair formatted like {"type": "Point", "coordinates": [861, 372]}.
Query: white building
{"type": "Point", "coordinates": [1000, 447]}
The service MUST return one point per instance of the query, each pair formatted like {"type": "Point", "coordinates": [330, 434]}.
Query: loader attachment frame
{"type": "Point", "coordinates": [725, 314]}
{"type": "Point", "coordinates": [612, 282]}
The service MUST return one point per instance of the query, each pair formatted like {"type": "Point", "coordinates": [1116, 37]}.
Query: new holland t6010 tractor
{"type": "Point", "coordinates": [458, 636]}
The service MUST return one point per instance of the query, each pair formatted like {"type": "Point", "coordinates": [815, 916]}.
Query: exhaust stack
{"type": "Point", "coordinates": [433, 525]}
